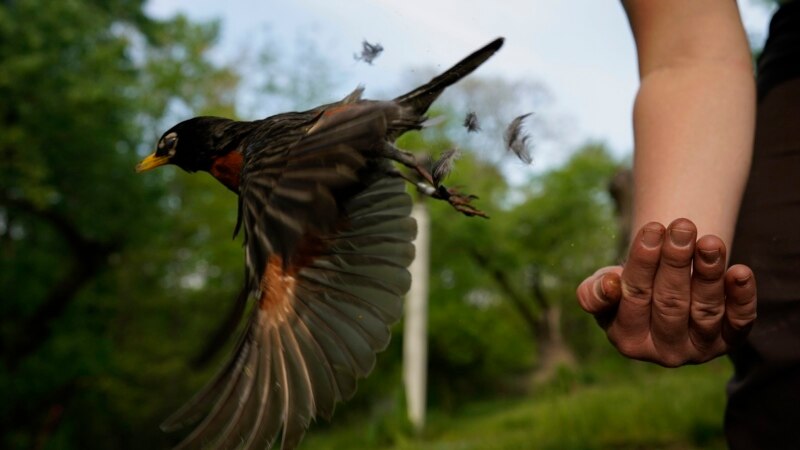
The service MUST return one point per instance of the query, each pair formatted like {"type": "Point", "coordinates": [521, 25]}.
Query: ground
{"type": "Point", "coordinates": [635, 407]}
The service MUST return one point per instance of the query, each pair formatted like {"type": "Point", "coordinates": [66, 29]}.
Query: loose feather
{"type": "Point", "coordinates": [369, 52]}
{"type": "Point", "coordinates": [471, 122]}
{"type": "Point", "coordinates": [517, 140]}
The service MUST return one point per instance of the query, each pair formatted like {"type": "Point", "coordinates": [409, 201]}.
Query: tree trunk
{"type": "Point", "coordinates": [543, 322]}
{"type": "Point", "coordinates": [553, 349]}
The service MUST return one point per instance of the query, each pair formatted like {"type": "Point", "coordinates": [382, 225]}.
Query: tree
{"type": "Point", "coordinates": [523, 264]}
{"type": "Point", "coordinates": [566, 228]}
{"type": "Point", "coordinates": [83, 83]}
{"type": "Point", "coordinates": [506, 257]}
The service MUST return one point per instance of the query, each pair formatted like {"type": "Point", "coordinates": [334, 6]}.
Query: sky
{"type": "Point", "coordinates": [580, 50]}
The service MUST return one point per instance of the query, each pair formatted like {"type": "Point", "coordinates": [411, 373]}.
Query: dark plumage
{"type": "Point", "coordinates": [471, 122]}
{"type": "Point", "coordinates": [517, 140]}
{"type": "Point", "coordinates": [369, 52]}
{"type": "Point", "coordinates": [328, 237]}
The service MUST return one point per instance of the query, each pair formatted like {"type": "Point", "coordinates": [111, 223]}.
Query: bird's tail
{"type": "Point", "coordinates": [421, 98]}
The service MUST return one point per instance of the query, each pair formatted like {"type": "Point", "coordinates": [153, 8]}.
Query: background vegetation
{"type": "Point", "coordinates": [112, 283]}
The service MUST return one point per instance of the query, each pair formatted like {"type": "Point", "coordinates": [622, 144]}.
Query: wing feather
{"type": "Point", "coordinates": [316, 327]}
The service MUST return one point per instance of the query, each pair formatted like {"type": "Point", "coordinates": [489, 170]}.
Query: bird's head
{"type": "Point", "coordinates": [191, 145]}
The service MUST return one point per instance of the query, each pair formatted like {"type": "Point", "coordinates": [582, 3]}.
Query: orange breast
{"type": "Point", "coordinates": [277, 289]}
{"type": "Point", "coordinates": [228, 169]}
{"type": "Point", "coordinates": [278, 282]}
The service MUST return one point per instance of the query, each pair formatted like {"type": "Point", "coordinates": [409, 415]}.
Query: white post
{"type": "Point", "coordinates": [415, 333]}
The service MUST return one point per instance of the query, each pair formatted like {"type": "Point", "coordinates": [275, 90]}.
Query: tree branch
{"type": "Point", "coordinates": [89, 258]}
{"type": "Point", "coordinates": [519, 302]}
{"type": "Point", "coordinates": [543, 301]}
{"type": "Point", "coordinates": [68, 231]}
{"type": "Point", "coordinates": [536, 289]}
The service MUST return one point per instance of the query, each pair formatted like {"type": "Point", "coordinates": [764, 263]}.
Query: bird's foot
{"type": "Point", "coordinates": [461, 202]}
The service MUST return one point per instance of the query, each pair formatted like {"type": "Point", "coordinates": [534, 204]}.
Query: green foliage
{"type": "Point", "coordinates": [96, 262]}
{"type": "Point", "coordinates": [560, 231]}
{"type": "Point", "coordinates": [479, 345]}
{"type": "Point", "coordinates": [112, 282]}
{"type": "Point", "coordinates": [623, 405]}
{"type": "Point", "coordinates": [475, 335]}
{"type": "Point", "coordinates": [560, 225]}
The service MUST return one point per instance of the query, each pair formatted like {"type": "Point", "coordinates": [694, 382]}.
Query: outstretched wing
{"type": "Point", "coordinates": [293, 189]}
{"type": "Point", "coordinates": [328, 240]}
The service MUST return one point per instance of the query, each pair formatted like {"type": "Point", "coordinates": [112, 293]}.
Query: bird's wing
{"type": "Point", "coordinates": [325, 302]}
{"type": "Point", "coordinates": [288, 194]}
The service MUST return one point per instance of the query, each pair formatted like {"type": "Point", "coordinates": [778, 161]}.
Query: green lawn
{"type": "Point", "coordinates": [636, 407]}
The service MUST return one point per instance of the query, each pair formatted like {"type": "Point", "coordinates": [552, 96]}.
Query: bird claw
{"type": "Point", "coordinates": [459, 201]}
{"type": "Point", "coordinates": [431, 186]}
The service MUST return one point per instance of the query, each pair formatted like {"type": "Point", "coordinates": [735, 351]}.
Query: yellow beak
{"type": "Point", "coordinates": [151, 162]}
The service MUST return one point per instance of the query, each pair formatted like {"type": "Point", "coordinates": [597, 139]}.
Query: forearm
{"type": "Point", "coordinates": [694, 113]}
{"type": "Point", "coordinates": [693, 126]}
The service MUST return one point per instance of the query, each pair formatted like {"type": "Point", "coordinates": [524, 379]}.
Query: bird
{"type": "Point", "coordinates": [328, 237]}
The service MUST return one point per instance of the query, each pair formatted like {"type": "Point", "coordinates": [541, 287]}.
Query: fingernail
{"type": "Point", "coordinates": [607, 288]}
{"type": "Point", "coordinates": [742, 281]}
{"type": "Point", "coordinates": [611, 287]}
{"type": "Point", "coordinates": [652, 236]}
{"type": "Point", "coordinates": [680, 237]}
{"type": "Point", "coordinates": [709, 256]}
{"type": "Point", "coordinates": [598, 289]}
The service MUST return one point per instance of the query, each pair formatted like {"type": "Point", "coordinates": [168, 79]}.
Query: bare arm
{"type": "Point", "coordinates": [674, 302]}
{"type": "Point", "coordinates": [694, 114]}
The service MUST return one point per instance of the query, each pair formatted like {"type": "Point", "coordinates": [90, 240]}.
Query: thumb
{"type": "Point", "coordinates": [601, 292]}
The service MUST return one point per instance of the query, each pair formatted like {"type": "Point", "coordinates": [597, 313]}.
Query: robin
{"type": "Point", "coordinates": [327, 237]}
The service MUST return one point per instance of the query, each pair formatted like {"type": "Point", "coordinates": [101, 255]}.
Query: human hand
{"type": "Point", "coordinates": [673, 303]}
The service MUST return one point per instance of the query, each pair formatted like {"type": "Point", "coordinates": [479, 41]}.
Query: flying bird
{"type": "Point", "coordinates": [327, 240]}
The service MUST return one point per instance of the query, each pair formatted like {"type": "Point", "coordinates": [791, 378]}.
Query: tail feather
{"type": "Point", "coordinates": [421, 98]}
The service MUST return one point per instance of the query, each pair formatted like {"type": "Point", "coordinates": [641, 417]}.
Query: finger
{"type": "Point", "coordinates": [632, 323]}
{"type": "Point", "coordinates": [600, 293]}
{"type": "Point", "coordinates": [708, 295]}
{"type": "Point", "coordinates": [672, 287]}
{"type": "Point", "coordinates": [611, 287]}
{"type": "Point", "coordinates": [740, 304]}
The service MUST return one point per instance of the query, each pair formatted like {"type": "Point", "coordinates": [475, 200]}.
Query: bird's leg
{"type": "Point", "coordinates": [407, 159]}
{"type": "Point", "coordinates": [459, 201]}
{"type": "Point", "coordinates": [421, 186]}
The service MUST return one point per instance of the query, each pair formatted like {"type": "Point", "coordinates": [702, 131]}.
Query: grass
{"type": "Point", "coordinates": [638, 407]}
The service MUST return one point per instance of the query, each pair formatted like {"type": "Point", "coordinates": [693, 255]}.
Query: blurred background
{"type": "Point", "coordinates": [112, 284]}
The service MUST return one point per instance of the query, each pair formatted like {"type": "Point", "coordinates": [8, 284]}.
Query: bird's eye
{"type": "Point", "coordinates": [170, 141]}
